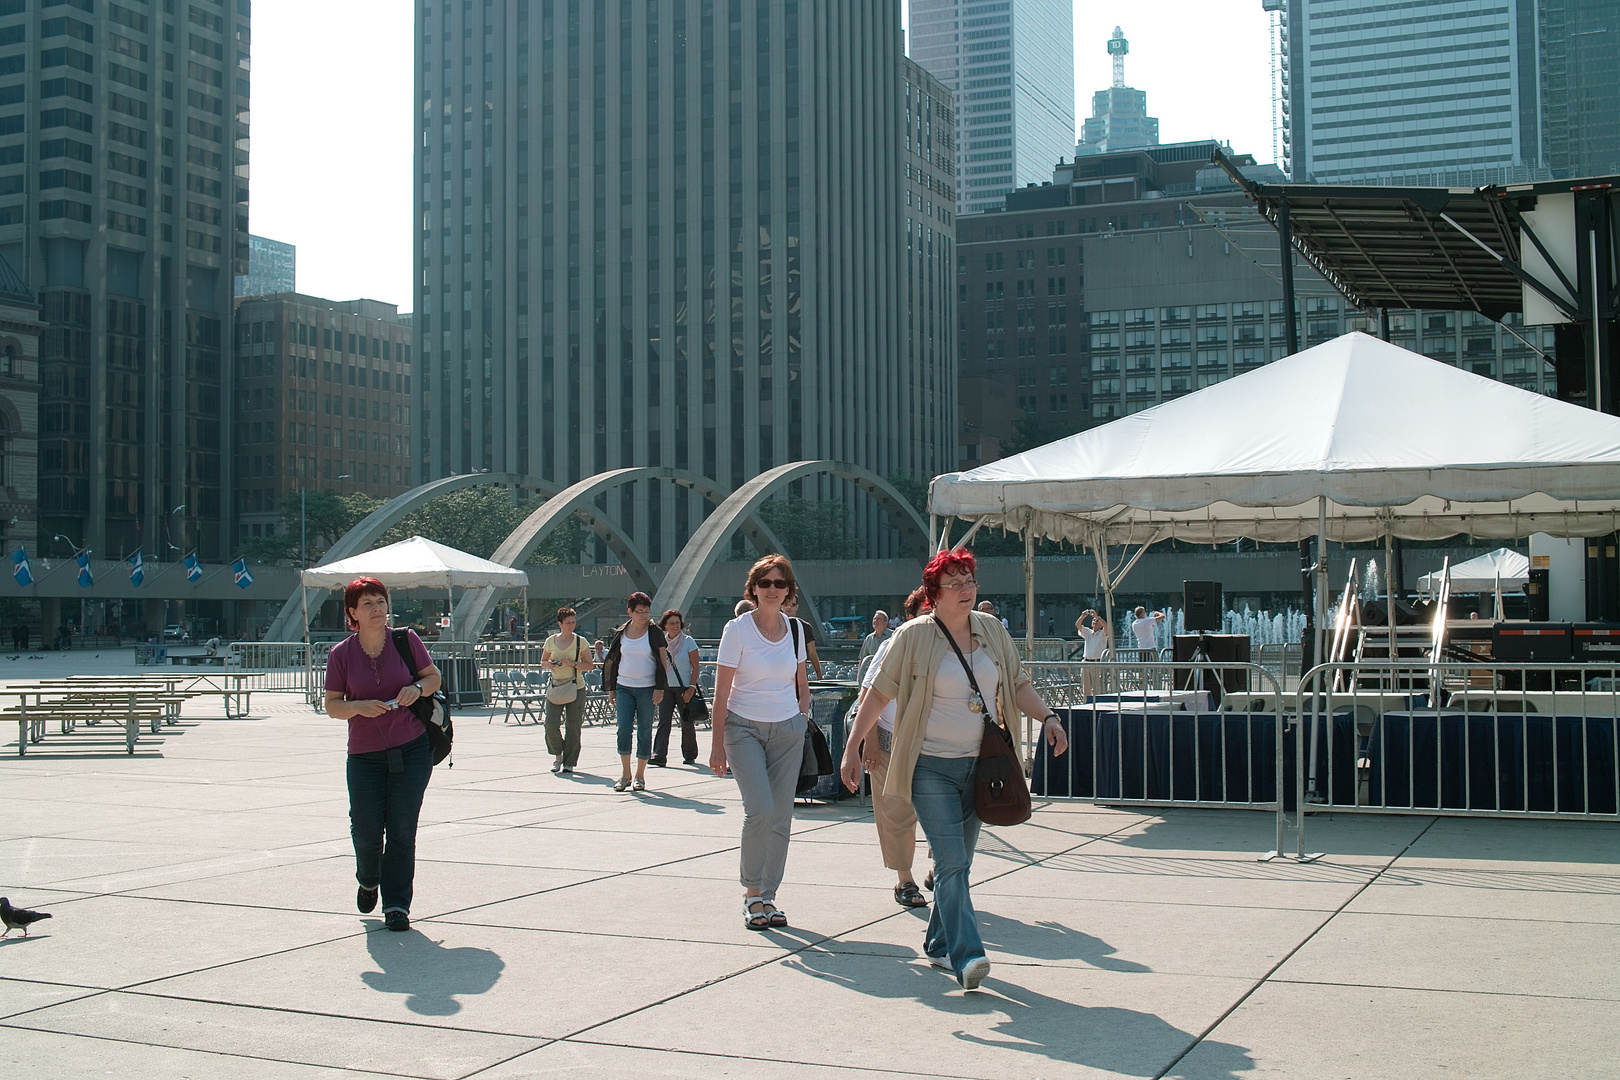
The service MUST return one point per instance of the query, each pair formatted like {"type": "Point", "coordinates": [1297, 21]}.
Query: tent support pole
{"type": "Point", "coordinates": [1285, 234]}
{"type": "Point", "coordinates": [1321, 570]}
{"type": "Point", "coordinates": [1029, 592]}
{"type": "Point", "coordinates": [1389, 592]}
{"type": "Point", "coordinates": [309, 659]}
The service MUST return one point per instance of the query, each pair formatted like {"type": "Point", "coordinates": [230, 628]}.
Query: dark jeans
{"type": "Point", "coordinates": [385, 799]}
{"type": "Point", "coordinates": [666, 710]}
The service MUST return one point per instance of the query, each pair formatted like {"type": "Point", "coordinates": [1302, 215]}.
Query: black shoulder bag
{"type": "Point", "coordinates": [697, 710]}
{"type": "Point", "coordinates": [1000, 792]}
{"type": "Point", "coordinates": [817, 761]}
{"type": "Point", "coordinates": [434, 711]}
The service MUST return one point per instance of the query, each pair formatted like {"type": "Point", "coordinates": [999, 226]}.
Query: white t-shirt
{"type": "Point", "coordinates": [1146, 631]}
{"type": "Point", "coordinates": [764, 689]}
{"type": "Point", "coordinates": [636, 661]}
{"type": "Point", "coordinates": [680, 649]}
{"type": "Point", "coordinates": [886, 717]}
{"type": "Point", "coordinates": [1096, 641]}
{"type": "Point", "coordinates": [954, 730]}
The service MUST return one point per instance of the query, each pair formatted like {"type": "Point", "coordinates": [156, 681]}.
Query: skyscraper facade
{"type": "Point", "coordinates": [665, 233]}
{"type": "Point", "coordinates": [123, 204]}
{"type": "Point", "coordinates": [1119, 118]}
{"type": "Point", "coordinates": [1580, 87]}
{"type": "Point", "coordinates": [929, 166]}
{"type": "Point", "coordinates": [1432, 92]}
{"type": "Point", "coordinates": [1010, 64]}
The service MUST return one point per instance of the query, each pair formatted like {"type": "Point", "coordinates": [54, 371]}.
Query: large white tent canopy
{"type": "Point", "coordinates": [416, 563]}
{"type": "Point", "coordinates": [1503, 567]}
{"type": "Point", "coordinates": [1369, 437]}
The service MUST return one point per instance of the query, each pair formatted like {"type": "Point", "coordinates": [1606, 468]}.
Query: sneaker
{"type": "Point", "coordinates": [568, 770]}
{"type": "Point", "coordinates": [398, 920]}
{"type": "Point", "coordinates": [940, 962]}
{"type": "Point", "coordinates": [366, 900]}
{"type": "Point", "coordinates": [557, 766]}
{"type": "Point", "coordinates": [973, 973]}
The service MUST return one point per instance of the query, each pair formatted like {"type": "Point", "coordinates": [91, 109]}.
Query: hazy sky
{"type": "Point", "coordinates": [332, 116]}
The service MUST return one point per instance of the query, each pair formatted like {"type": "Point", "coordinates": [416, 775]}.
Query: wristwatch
{"type": "Point", "coordinates": [418, 687]}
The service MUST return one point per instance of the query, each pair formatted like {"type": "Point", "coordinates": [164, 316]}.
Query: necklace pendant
{"type": "Point", "coordinates": [975, 704]}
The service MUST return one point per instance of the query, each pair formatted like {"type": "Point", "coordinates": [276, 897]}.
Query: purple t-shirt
{"type": "Point", "coordinates": [350, 671]}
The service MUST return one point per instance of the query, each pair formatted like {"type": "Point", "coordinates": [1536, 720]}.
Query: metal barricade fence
{"type": "Point", "coordinates": [1151, 732]}
{"type": "Point", "coordinates": [1459, 738]}
{"type": "Point", "coordinates": [271, 665]}
{"type": "Point", "coordinates": [1282, 659]}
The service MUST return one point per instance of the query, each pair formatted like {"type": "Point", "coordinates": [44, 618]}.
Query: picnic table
{"type": "Point", "coordinates": [71, 703]}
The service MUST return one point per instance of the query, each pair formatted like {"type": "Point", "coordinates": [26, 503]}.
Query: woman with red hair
{"type": "Point", "coordinates": [369, 684]}
{"type": "Point", "coordinates": [946, 672]}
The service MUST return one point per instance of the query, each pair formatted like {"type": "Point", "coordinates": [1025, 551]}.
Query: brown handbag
{"type": "Point", "coordinates": [1000, 792]}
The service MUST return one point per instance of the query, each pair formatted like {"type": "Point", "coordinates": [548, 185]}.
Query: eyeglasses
{"type": "Point", "coordinates": [770, 583]}
{"type": "Point", "coordinates": [958, 586]}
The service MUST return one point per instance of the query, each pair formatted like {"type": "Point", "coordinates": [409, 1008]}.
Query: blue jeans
{"type": "Point", "coordinates": [635, 707]}
{"type": "Point", "coordinates": [942, 795]}
{"type": "Point", "coordinates": [385, 799]}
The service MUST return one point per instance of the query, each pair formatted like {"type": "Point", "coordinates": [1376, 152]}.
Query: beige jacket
{"type": "Point", "coordinates": [906, 677]}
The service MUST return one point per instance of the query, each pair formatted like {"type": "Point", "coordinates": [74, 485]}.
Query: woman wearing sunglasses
{"type": "Point", "coordinates": [761, 701]}
{"type": "Point", "coordinates": [946, 672]}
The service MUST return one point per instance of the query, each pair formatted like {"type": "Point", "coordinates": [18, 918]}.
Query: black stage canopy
{"type": "Point", "coordinates": [1408, 248]}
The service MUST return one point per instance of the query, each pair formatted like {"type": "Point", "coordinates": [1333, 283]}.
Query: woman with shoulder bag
{"type": "Point", "coordinates": [390, 758]}
{"type": "Point", "coordinates": [568, 658]}
{"type": "Point", "coordinates": [760, 710]}
{"type": "Point", "coordinates": [946, 673]}
{"type": "Point", "coordinates": [681, 654]}
{"type": "Point", "coordinates": [634, 673]}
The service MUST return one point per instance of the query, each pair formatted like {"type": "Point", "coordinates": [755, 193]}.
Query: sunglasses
{"type": "Point", "coordinates": [770, 583]}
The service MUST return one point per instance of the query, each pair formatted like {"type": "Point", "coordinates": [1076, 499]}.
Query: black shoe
{"type": "Point", "coordinates": [366, 900]}
{"type": "Point", "coordinates": [396, 920]}
{"type": "Point", "coordinates": [689, 761]}
{"type": "Point", "coordinates": [658, 761]}
{"type": "Point", "coordinates": [928, 882]}
{"type": "Point", "coordinates": [568, 770]}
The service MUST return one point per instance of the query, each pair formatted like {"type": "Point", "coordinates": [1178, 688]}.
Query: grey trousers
{"type": "Point", "coordinates": [765, 759]}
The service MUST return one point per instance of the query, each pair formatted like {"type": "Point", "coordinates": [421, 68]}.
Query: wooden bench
{"type": "Point", "coordinates": [90, 707]}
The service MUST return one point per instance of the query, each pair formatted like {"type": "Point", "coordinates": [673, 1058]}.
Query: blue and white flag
{"type": "Point", "coordinates": [86, 578]}
{"type": "Point", "coordinates": [19, 567]}
{"type": "Point", "coordinates": [193, 568]}
{"type": "Point", "coordinates": [137, 570]}
{"type": "Point", "coordinates": [243, 578]}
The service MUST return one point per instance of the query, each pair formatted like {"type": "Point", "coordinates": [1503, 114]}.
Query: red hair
{"type": "Point", "coordinates": [354, 590]}
{"type": "Point", "coordinates": [956, 561]}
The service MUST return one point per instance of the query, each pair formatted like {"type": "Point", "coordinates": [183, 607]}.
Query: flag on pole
{"type": "Point", "coordinates": [86, 578]}
{"type": "Point", "coordinates": [193, 568]}
{"type": "Point", "coordinates": [137, 570]}
{"type": "Point", "coordinates": [243, 578]}
{"type": "Point", "coordinates": [19, 567]}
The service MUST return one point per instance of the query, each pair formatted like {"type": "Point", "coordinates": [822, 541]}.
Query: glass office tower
{"type": "Point", "coordinates": [123, 202]}
{"type": "Point", "coordinates": [1010, 64]}
{"type": "Point", "coordinates": [664, 233]}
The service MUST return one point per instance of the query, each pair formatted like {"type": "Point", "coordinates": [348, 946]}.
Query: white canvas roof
{"type": "Point", "coordinates": [416, 563]}
{"type": "Point", "coordinates": [1392, 439]}
{"type": "Point", "coordinates": [1511, 568]}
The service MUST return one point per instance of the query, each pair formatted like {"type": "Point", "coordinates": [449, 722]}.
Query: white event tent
{"type": "Point", "coordinates": [1351, 440]}
{"type": "Point", "coordinates": [1503, 567]}
{"type": "Point", "coordinates": [414, 564]}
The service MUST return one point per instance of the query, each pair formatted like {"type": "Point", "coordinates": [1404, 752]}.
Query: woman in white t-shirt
{"type": "Point", "coordinates": [761, 700]}
{"type": "Point", "coordinates": [633, 672]}
{"type": "Point", "coordinates": [896, 820]}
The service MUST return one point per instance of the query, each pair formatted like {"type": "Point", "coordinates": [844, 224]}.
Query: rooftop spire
{"type": "Point", "coordinates": [1117, 48]}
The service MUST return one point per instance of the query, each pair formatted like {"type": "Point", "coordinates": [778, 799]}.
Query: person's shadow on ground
{"type": "Point", "coordinates": [1051, 941]}
{"type": "Point", "coordinates": [1114, 1040]}
{"type": "Point", "coordinates": [431, 976]}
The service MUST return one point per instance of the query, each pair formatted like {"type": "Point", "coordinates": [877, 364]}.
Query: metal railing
{"type": "Point", "coordinates": [1282, 660]}
{"type": "Point", "coordinates": [1150, 732]}
{"type": "Point", "coordinates": [1458, 739]}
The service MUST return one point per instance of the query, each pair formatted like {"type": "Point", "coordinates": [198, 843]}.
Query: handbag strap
{"type": "Point", "coordinates": [404, 651]}
{"type": "Point", "coordinates": [674, 666]}
{"type": "Point", "coordinates": [989, 713]}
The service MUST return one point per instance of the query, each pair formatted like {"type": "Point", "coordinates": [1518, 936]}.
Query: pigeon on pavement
{"type": "Point", "coordinates": [16, 917]}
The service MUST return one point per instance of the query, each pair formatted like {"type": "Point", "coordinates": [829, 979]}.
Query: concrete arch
{"type": "Point", "coordinates": [579, 500]}
{"type": "Point", "coordinates": [371, 528]}
{"type": "Point", "coordinates": [684, 582]}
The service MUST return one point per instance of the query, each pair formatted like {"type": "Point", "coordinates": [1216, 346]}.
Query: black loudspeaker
{"type": "Point", "coordinates": [1201, 605]}
{"type": "Point", "coordinates": [1535, 590]}
{"type": "Point", "coordinates": [1217, 649]}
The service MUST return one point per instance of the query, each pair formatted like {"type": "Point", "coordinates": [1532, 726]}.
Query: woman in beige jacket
{"type": "Point", "coordinates": [939, 723]}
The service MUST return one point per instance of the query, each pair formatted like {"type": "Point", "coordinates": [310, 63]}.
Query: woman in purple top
{"type": "Point", "coordinates": [390, 759]}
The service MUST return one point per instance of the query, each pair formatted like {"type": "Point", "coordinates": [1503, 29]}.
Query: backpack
{"type": "Point", "coordinates": [434, 711]}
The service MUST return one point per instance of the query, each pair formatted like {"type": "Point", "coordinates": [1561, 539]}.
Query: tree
{"type": "Point", "coordinates": [812, 530]}
{"type": "Point", "coordinates": [478, 520]}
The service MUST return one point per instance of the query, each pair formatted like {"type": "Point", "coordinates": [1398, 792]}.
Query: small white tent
{"type": "Point", "coordinates": [415, 564]}
{"type": "Point", "coordinates": [1505, 567]}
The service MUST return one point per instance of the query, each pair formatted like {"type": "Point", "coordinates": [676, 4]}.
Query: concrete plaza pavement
{"type": "Point", "coordinates": [202, 893]}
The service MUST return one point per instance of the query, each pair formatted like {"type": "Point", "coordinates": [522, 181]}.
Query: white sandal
{"type": "Point", "coordinates": [756, 920]}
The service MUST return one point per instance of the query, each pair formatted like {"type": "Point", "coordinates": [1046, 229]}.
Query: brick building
{"type": "Point", "coordinates": [324, 402]}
